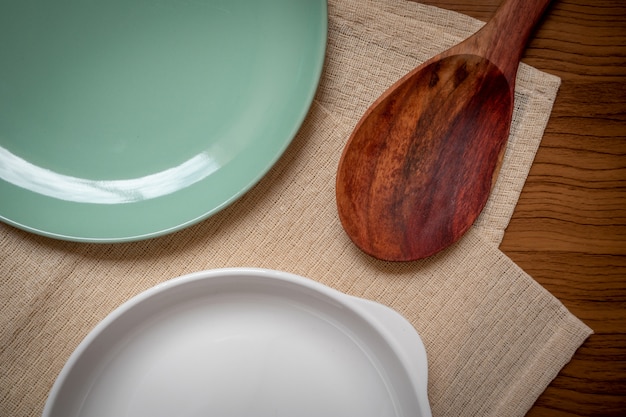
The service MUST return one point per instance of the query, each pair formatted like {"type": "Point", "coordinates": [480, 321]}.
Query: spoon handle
{"type": "Point", "coordinates": [503, 39]}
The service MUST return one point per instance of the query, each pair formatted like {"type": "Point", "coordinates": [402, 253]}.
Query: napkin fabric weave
{"type": "Point", "coordinates": [495, 338]}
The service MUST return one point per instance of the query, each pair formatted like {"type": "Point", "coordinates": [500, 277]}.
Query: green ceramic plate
{"type": "Point", "coordinates": [128, 119]}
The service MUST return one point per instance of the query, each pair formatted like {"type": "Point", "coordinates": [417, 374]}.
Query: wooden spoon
{"type": "Point", "coordinates": [419, 166]}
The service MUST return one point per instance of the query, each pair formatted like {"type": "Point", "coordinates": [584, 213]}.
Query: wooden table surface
{"type": "Point", "coordinates": [569, 228]}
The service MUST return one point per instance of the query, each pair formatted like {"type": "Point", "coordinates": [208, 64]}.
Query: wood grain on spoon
{"type": "Point", "coordinates": [419, 166]}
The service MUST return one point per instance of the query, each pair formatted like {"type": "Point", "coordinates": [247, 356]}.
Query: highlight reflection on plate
{"type": "Point", "coordinates": [124, 120]}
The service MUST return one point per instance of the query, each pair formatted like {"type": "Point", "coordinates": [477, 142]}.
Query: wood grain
{"type": "Point", "coordinates": [418, 168]}
{"type": "Point", "coordinates": [569, 228]}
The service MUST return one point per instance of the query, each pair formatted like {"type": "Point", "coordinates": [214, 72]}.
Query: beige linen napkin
{"type": "Point", "coordinates": [494, 337]}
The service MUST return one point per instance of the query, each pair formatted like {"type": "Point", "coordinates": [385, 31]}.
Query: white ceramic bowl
{"type": "Point", "coordinates": [245, 342]}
